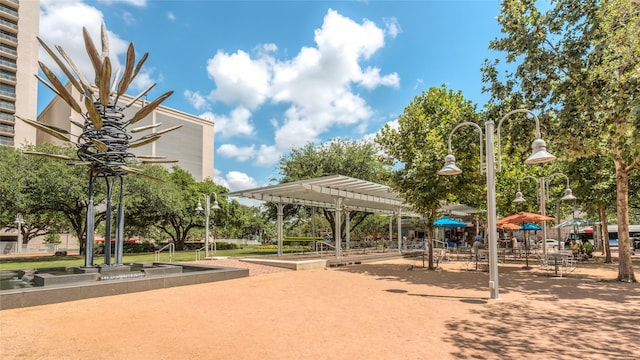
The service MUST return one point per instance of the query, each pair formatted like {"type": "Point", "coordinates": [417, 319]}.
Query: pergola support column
{"type": "Point", "coordinates": [338, 234]}
{"type": "Point", "coordinates": [280, 208]}
{"type": "Point", "coordinates": [347, 235]}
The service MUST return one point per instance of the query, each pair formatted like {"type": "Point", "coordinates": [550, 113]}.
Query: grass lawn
{"type": "Point", "coordinates": [50, 261]}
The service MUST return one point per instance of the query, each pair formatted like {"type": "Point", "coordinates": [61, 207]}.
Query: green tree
{"type": "Point", "coordinates": [179, 215]}
{"type": "Point", "coordinates": [48, 192]}
{"type": "Point", "coordinates": [417, 148]}
{"type": "Point", "coordinates": [579, 60]}
{"type": "Point", "coordinates": [148, 203]}
{"type": "Point", "coordinates": [357, 159]}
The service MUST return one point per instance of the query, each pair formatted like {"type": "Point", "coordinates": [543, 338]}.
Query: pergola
{"type": "Point", "coordinates": [337, 192]}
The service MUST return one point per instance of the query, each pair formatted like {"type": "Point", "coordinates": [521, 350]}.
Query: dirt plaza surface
{"type": "Point", "coordinates": [392, 309]}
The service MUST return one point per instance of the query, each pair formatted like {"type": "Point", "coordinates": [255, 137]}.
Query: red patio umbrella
{"type": "Point", "coordinates": [508, 226]}
{"type": "Point", "coordinates": [523, 217]}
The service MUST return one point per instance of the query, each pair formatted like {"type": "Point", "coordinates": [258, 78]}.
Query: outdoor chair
{"type": "Point", "coordinates": [568, 265]}
{"type": "Point", "coordinates": [544, 264]}
{"type": "Point", "coordinates": [439, 255]}
{"type": "Point", "coordinates": [477, 261]}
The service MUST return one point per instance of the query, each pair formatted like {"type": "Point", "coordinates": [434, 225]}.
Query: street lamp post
{"type": "Point", "coordinates": [544, 194]}
{"type": "Point", "coordinates": [539, 155]}
{"type": "Point", "coordinates": [19, 220]}
{"type": "Point", "coordinates": [207, 214]}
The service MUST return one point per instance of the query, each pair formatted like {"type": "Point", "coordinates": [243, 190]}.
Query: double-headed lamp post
{"type": "Point", "coordinates": [539, 155]}
{"type": "Point", "coordinates": [544, 194]}
{"type": "Point", "coordinates": [207, 214]}
{"type": "Point", "coordinates": [19, 221]}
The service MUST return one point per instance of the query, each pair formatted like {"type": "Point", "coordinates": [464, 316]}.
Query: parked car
{"type": "Point", "coordinates": [552, 244]}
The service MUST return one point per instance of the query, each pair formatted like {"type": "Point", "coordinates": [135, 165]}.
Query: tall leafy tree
{"type": "Point", "coordinates": [180, 215]}
{"type": "Point", "coordinates": [47, 191]}
{"type": "Point", "coordinates": [148, 203]}
{"type": "Point", "coordinates": [357, 159]}
{"type": "Point", "coordinates": [418, 146]}
{"type": "Point", "coordinates": [579, 60]}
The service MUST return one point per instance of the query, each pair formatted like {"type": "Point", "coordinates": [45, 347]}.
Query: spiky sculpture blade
{"type": "Point", "coordinates": [105, 140]}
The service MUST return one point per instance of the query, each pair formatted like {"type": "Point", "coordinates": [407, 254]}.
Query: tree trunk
{"type": "Point", "coordinates": [430, 235]}
{"type": "Point", "coordinates": [604, 234]}
{"type": "Point", "coordinates": [625, 268]}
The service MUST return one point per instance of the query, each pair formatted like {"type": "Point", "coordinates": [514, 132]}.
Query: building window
{"type": "Point", "coordinates": [8, 90]}
{"type": "Point", "coordinates": [8, 49]}
{"type": "Point", "coordinates": [9, 36]}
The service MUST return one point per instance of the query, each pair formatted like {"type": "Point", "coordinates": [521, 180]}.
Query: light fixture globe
{"type": "Point", "coordinates": [539, 153]}
{"type": "Point", "coordinates": [215, 205]}
{"type": "Point", "coordinates": [568, 195]}
{"type": "Point", "coordinates": [199, 206]}
{"type": "Point", "coordinates": [519, 198]}
{"type": "Point", "coordinates": [450, 167]}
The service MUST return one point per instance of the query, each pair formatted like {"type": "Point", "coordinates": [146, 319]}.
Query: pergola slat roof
{"type": "Point", "coordinates": [323, 191]}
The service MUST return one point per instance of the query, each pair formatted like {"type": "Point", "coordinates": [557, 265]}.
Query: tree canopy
{"type": "Point", "coordinates": [357, 159]}
{"type": "Point", "coordinates": [417, 148]}
{"type": "Point", "coordinates": [579, 61]}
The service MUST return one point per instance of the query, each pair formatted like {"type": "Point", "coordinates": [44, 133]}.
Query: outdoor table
{"type": "Point", "coordinates": [558, 259]}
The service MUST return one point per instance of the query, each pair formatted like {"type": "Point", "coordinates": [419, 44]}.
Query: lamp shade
{"type": "Point", "coordinates": [519, 198]}
{"type": "Point", "coordinates": [539, 153]}
{"type": "Point", "coordinates": [568, 195]}
{"type": "Point", "coordinates": [450, 167]}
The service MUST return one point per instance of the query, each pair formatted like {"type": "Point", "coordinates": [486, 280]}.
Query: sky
{"type": "Point", "coordinates": [277, 75]}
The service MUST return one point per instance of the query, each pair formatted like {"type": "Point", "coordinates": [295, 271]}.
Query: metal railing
{"type": "Point", "coordinates": [198, 251]}
{"type": "Point", "coordinates": [321, 245]}
{"type": "Point", "coordinates": [172, 250]}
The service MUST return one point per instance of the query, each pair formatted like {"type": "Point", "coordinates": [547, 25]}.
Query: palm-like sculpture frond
{"type": "Point", "coordinates": [105, 139]}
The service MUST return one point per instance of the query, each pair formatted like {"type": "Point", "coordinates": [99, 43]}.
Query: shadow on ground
{"type": "Point", "coordinates": [575, 317]}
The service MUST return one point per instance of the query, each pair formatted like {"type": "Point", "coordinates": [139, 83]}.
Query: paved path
{"type": "Point", "coordinates": [254, 269]}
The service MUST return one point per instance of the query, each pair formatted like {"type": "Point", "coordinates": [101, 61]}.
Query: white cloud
{"type": "Point", "coordinates": [218, 179]}
{"type": "Point", "coordinates": [392, 28]}
{"type": "Point", "coordinates": [239, 79]}
{"type": "Point", "coordinates": [267, 155]}
{"type": "Point", "coordinates": [61, 23]}
{"type": "Point", "coordinates": [143, 80]}
{"type": "Point", "coordinates": [237, 123]}
{"type": "Point", "coordinates": [240, 181]}
{"type": "Point", "coordinates": [235, 180]}
{"type": "Point", "coordinates": [371, 79]}
{"type": "Point", "coordinates": [197, 101]}
{"type": "Point", "coordinates": [240, 153]}
{"type": "Point", "coordinates": [128, 18]}
{"type": "Point", "coordinates": [171, 16]}
{"type": "Point", "coordinates": [316, 84]}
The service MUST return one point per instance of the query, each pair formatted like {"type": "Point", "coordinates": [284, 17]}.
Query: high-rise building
{"type": "Point", "coordinates": [18, 63]}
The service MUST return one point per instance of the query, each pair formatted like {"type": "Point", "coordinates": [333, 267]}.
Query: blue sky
{"type": "Point", "coordinates": [279, 74]}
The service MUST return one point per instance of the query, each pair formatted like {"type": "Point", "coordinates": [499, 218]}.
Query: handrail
{"type": "Point", "coordinates": [213, 243]}
{"type": "Point", "coordinates": [198, 253]}
{"type": "Point", "coordinates": [322, 245]}
{"type": "Point", "coordinates": [172, 250]}
{"type": "Point", "coordinates": [441, 242]}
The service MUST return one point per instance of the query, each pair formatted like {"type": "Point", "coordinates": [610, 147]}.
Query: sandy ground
{"type": "Point", "coordinates": [378, 310]}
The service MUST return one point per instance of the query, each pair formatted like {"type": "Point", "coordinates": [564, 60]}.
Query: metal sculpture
{"type": "Point", "coordinates": [105, 140]}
